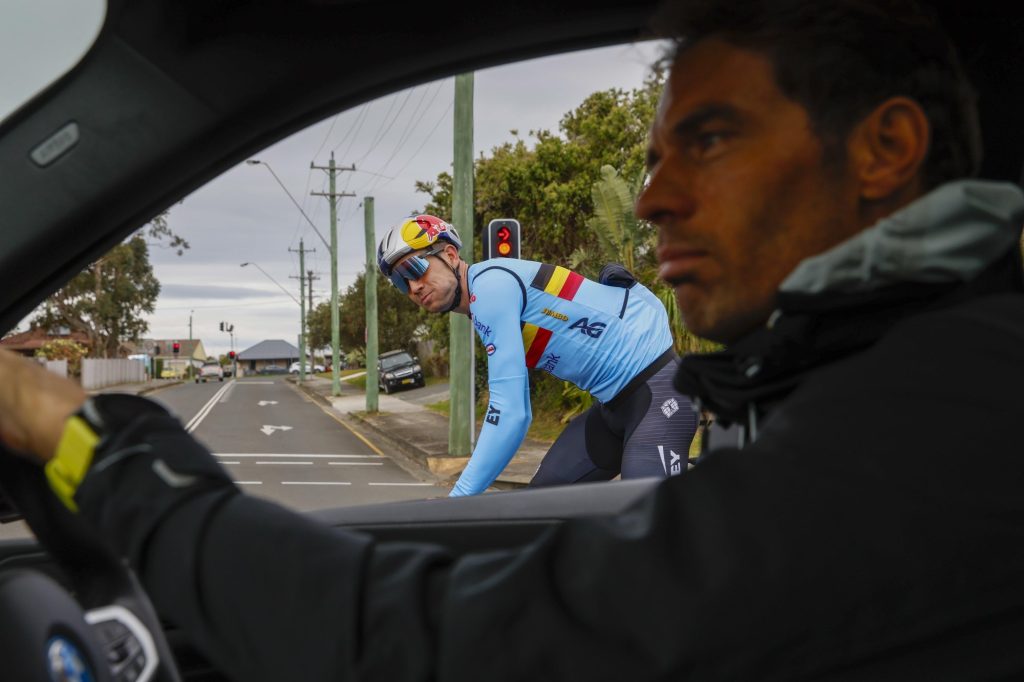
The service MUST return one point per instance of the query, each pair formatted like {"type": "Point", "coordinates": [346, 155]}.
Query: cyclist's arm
{"type": "Point", "coordinates": [497, 308]}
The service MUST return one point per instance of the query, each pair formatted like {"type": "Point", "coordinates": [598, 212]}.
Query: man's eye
{"type": "Point", "coordinates": [707, 142]}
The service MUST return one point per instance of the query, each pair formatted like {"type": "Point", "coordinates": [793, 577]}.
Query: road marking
{"type": "Point", "coordinates": [248, 482]}
{"type": "Point", "coordinates": [354, 432]}
{"type": "Point", "coordinates": [227, 394]}
{"type": "Point", "coordinates": [288, 463]}
{"type": "Point", "coordinates": [406, 484]}
{"type": "Point", "coordinates": [268, 429]}
{"type": "Point", "coordinates": [357, 464]}
{"type": "Point", "coordinates": [201, 415]}
{"type": "Point", "coordinates": [256, 383]}
{"type": "Point", "coordinates": [316, 483]}
{"type": "Point", "coordinates": [223, 462]}
{"type": "Point", "coordinates": [291, 454]}
{"type": "Point", "coordinates": [266, 402]}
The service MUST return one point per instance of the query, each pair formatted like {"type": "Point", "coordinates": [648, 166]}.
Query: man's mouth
{"type": "Point", "coordinates": [677, 265]}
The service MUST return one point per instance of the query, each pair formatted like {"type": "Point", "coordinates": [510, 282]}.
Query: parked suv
{"type": "Point", "coordinates": [210, 371]}
{"type": "Point", "coordinates": [397, 368]}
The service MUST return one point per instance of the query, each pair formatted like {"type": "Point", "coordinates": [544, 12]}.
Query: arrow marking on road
{"type": "Point", "coordinates": [266, 402]}
{"type": "Point", "coordinates": [268, 429]}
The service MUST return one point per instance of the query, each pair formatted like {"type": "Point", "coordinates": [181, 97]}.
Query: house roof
{"type": "Point", "coordinates": [270, 349]}
{"type": "Point", "coordinates": [34, 339]}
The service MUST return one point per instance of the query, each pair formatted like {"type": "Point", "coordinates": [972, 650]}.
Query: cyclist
{"type": "Point", "coordinates": [610, 338]}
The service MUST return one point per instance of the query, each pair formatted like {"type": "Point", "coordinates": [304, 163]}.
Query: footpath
{"type": "Point", "coordinates": [417, 435]}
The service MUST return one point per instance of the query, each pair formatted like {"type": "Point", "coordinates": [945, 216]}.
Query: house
{"type": "Point", "coordinates": [190, 352]}
{"type": "Point", "coordinates": [27, 343]}
{"type": "Point", "coordinates": [269, 352]}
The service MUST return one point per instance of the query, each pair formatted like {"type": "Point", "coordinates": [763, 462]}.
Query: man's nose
{"type": "Point", "coordinates": [666, 196]}
{"type": "Point", "coordinates": [415, 285]}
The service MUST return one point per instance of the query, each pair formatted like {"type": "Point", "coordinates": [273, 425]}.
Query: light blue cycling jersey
{"type": "Point", "coordinates": [531, 315]}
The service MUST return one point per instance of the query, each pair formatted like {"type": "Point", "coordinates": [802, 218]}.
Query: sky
{"type": "Point", "coordinates": [246, 216]}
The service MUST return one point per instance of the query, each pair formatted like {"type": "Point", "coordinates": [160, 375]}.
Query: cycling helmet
{"type": "Point", "coordinates": [413, 234]}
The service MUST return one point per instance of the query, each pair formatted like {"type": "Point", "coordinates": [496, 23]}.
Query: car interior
{"type": "Point", "coordinates": [173, 93]}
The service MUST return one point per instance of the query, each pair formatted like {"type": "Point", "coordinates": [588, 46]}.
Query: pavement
{"type": "Point", "coordinates": [418, 435]}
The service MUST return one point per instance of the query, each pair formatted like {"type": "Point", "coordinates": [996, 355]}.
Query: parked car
{"type": "Point", "coordinates": [210, 371]}
{"type": "Point", "coordinates": [272, 369]}
{"type": "Point", "coordinates": [169, 373]}
{"type": "Point", "coordinates": [397, 368]}
{"type": "Point", "coordinates": [294, 368]}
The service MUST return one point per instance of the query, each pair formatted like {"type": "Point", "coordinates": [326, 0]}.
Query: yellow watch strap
{"type": "Point", "coordinates": [69, 465]}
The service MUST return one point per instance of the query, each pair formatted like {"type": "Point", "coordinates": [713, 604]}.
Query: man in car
{"type": "Point", "coordinates": [610, 338]}
{"type": "Point", "coordinates": [807, 165]}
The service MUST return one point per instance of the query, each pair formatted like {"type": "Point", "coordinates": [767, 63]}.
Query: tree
{"type": "Point", "coordinates": [64, 349]}
{"type": "Point", "coordinates": [108, 299]}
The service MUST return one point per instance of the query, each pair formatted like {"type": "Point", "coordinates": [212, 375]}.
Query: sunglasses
{"type": "Point", "coordinates": [410, 269]}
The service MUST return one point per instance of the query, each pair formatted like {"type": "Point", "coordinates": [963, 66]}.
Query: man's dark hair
{"type": "Point", "coordinates": [839, 59]}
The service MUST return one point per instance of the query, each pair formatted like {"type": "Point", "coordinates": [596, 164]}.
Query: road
{"type": "Point", "coordinates": [278, 443]}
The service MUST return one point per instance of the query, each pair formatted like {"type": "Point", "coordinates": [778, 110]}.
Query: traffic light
{"type": "Point", "coordinates": [222, 326]}
{"type": "Point", "coordinates": [176, 347]}
{"type": "Point", "coordinates": [231, 355]}
{"type": "Point", "coordinates": [501, 238]}
{"type": "Point", "coordinates": [156, 350]}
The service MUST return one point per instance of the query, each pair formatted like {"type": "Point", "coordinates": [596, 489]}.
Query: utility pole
{"type": "Point", "coordinates": [302, 309]}
{"type": "Point", "coordinates": [371, 305]}
{"type": "Point", "coordinates": [332, 197]}
{"type": "Point", "coordinates": [462, 419]}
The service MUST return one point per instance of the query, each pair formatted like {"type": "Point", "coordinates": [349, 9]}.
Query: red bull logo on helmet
{"type": "Point", "coordinates": [421, 231]}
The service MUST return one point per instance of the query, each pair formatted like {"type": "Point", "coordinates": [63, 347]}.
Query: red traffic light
{"type": "Point", "coordinates": [231, 355]}
{"type": "Point", "coordinates": [177, 347]}
{"type": "Point", "coordinates": [501, 238]}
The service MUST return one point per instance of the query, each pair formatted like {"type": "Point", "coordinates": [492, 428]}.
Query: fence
{"type": "Point", "coordinates": [58, 367]}
{"type": "Point", "coordinates": [101, 373]}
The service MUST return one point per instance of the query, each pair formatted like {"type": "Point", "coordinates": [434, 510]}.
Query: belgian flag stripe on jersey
{"type": "Point", "coordinates": [535, 339]}
{"type": "Point", "coordinates": [556, 281]}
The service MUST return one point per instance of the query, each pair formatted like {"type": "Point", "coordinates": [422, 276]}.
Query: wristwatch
{"type": "Point", "coordinates": [99, 417]}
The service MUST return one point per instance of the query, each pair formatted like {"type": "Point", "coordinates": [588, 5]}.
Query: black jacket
{"type": "Point", "coordinates": [874, 529]}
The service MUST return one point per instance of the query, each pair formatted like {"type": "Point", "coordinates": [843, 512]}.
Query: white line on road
{"type": "Point", "coordinates": [256, 383]}
{"type": "Point", "coordinates": [223, 462]}
{"type": "Point", "coordinates": [248, 482]}
{"type": "Point", "coordinates": [201, 415]}
{"type": "Point", "coordinates": [287, 463]}
{"type": "Point", "coordinates": [227, 394]}
{"type": "Point", "coordinates": [291, 454]}
{"type": "Point", "coordinates": [356, 464]}
{"type": "Point", "coordinates": [406, 484]}
{"type": "Point", "coordinates": [316, 483]}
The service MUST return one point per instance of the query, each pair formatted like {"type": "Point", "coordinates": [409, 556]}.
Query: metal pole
{"type": "Point", "coordinates": [462, 420]}
{"type": "Point", "coordinates": [372, 397]}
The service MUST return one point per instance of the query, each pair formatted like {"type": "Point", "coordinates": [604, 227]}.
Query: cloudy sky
{"type": "Point", "coordinates": [246, 216]}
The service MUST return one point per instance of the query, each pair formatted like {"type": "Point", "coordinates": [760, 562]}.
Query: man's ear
{"type": "Point", "coordinates": [888, 147]}
{"type": "Point", "coordinates": [451, 254]}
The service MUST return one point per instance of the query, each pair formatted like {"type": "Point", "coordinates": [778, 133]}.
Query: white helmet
{"type": "Point", "coordinates": [413, 234]}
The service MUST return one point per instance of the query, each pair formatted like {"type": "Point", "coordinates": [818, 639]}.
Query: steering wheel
{"type": "Point", "coordinates": [107, 631]}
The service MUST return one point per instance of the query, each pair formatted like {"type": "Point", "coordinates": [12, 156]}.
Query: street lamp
{"type": "Point", "coordinates": [257, 162]}
{"type": "Point", "coordinates": [273, 280]}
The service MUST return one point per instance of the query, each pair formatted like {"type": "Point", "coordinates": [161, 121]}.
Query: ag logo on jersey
{"type": "Point", "coordinates": [592, 330]}
{"type": "Point", "coordinates": [490, 349]}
